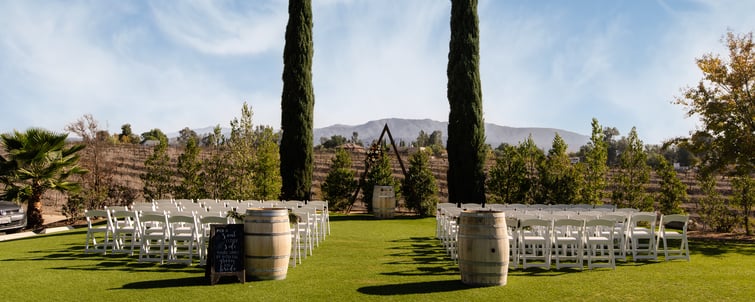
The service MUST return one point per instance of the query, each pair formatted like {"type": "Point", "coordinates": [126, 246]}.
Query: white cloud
{"type": "Point", "coordinates": [218, 27]}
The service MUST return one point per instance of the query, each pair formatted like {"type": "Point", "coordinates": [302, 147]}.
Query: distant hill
{"type": "Point", "coordinates": [408, 130]}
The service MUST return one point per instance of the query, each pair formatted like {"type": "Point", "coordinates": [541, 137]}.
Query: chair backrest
{"type": "Point", "coordinates": [125, 218]}
{"type": "Point", "coordinates": [600, 226]}
{"type": "Point", "coordinates": [93, 214]}
{"type": "Point", "coordinates": [674, 221]}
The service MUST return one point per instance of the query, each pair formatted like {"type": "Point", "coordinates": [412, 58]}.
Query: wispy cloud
{"type": "Point", "coordinates": [223, 27]}
{"type": "Point", "coordinates": [168, 65]}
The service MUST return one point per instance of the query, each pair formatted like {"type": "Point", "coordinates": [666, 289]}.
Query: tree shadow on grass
{"type": "Point", "coordinates": [423, 255]}
{"type": "Point", "coordinates": [414, 288]}
{"type": "Point", "coordinates": [166, 283]}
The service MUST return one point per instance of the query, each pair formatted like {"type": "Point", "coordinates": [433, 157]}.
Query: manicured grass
{"type": "Point", "coordinates": [365, 259]}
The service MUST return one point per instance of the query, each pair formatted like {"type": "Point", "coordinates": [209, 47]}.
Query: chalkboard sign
{"type": "Point", "coordinates": [226, 252]}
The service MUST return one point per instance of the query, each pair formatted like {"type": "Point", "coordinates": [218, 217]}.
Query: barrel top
{"type": "Point", "coordinates": [267, 210]}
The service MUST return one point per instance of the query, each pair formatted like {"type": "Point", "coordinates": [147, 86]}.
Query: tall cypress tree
{"type": "Point", "coordinates": [466, 129]}
{"type": "Point", "coordinates": [297, 103]}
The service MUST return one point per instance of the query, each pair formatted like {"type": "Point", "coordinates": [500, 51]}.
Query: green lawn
{"type": "Point", "coordinates": [365, 259]}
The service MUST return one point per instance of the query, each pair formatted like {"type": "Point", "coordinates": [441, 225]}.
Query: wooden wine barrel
{"type": "Point", "coordinates": [383, 202]}
{"type": "Point", "coordinates": [483, 246]}
{"type": "Point", "coordinates": [267, 246]}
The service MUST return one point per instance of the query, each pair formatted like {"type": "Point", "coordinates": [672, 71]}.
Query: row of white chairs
{"type": "Point", "coordinates": [536, 240]}
{"type": "Point", "coordinates": [176, 232]}
{"type": "Point", "coordinates": [157, 236]}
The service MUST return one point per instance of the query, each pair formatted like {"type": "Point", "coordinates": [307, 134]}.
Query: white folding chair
{"type": "Point", "coordinates": [182, 239]}
{"type": "Point", "coordinates": [620, 234]}
{"type": "Point", "coordinates": [567, 242]}
{"type": "Point", "coordinates": [127, 231]}
{"type": "Point", "coordinates": [599, 234]}
{"type": "Point", "coordinates": [154, 229]}
{"type": "Point", "coordinates": [665, 235]}
{"type": "Point", "coordinates": [512, 223]}
{"type": "Point", "coordinates": [535, 243]}
{"type": "Point", "coordinates": [642, 236]}
{"type": "Point", "coordinates": [98, 236]}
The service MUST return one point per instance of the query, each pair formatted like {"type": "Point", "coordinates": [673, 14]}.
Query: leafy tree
{"type": "Point", "coordinates": [507, 175]}
{"type": "Point", "coordinates": [436, 138]}
{"type": "Point", "coordinates": [725, 104]}
{"type": "Point", "coordinates": [743, 188]}
{"type": "Point", "coordinates": [186, 134]}
{"type": "Point", "coordinates": [532, 156]}
{"type": "Point", "coordinates": [157, 178]}
{"type": "Point", "coordinates": [423, 140]}
{"type": "Point", "coordinates": [595, 167]}
{"type": "Point", "coordinates": [35, 161]}
{"type": "Point", "coordinates": [673, 192]}
{"type": "Point", "coordinates": [154, 135]}
{"type": "Point", "coordinates": [419, 187]}
{"type": "Point", "coordinates": [241, 156]}
{"type": "Point", "coordinates": [339, 184]}
{"type": "Point", "coordinates": [216, 166]}
{"type": "Point", "coordinates": [190, 172]}
{"type": "Point", "coordinates": [355, 139]}
{"type": "Point", "coordinates": [266, 174]}
{"type": "Point", "coordinates": [632, 175]}
{"type": "Point", "coordinates": [127, 136]}
{"type": "Point", "coordinates": [613, 146]}
{"type": "Point", "coordinates": [466, 130]}
{"type": "Point", "coordinates": [713, 209]}
{"type": "Point", "coordinates": [297, 103]}
{"type": "Point", "coordinates": [559, 179]}
{"type": "Point", "coordinates": [333, 142]}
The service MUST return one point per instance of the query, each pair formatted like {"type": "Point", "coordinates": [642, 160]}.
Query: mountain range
{"type": "Point", "coordinates": [407, 130]}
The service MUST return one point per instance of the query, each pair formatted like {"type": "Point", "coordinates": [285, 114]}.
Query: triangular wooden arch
{"type": "Point", "coordinates": [367, 166]}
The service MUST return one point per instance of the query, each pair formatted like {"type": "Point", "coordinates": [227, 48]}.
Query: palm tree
{"type": "Point", "coordinates": [33, 162]}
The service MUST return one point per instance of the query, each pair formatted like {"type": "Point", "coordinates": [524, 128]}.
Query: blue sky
{"type": "Point", "coordinates": [173, 64]}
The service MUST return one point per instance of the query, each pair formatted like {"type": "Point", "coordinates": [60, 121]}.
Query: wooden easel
{"type": "Point", "coordinates": [367, 166]}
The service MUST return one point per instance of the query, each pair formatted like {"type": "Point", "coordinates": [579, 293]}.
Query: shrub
{"type": "Point", "coordinates": [419, 187]}
{"type": "Point", "coordinates": [339, 184]}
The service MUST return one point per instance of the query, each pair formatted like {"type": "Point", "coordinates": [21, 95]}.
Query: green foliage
{"type": "Point", "coordinates": [297, 104]}
{"type": "Point", "coordinates": [560, 181]}
{"type": "Point", "coordinates": [713, 208]}
{"type": "Point", "coordinates": [379, 173]}
{"type": "Point", "coordinates": [241, 156]}
{"type": "Point", "coordinates": [419, 187]}
{"type": "Point", "coordinates": [216, 166]}
{"type": "Point", "coordinates": [36, 161]}
{"type": "Point", "coordinates": [333, 142]}
{"type": "Point", "coordinates": [595, 168]}
{"type": "Point", "coordinates": [632, 176]}
{"type": "Point", "coordinates": [187, 134]}
{"type": "Point", "coordinates": [157, 178]}
{"type": "Point", "coordinates": [530, 185]}
{"type": "Point", "coordinates": [673, 192]}
{"type": "Point", "coordinates": [127, 136]}
{"type": "Point", "coordinates": [743, 189]}
{"type": "Point", "coordinates": [507, 175]}
{"type": "Point", "coordinates": [266, 172]}
{"type": "Point", "coordinates": [466, 130]}
{"type": "Point", "coordinates": [189, 171]}
{"type": "Point", "coordinates": [725, 104]}
{"type": "Point", "coordinates": [339, 184]}
{"type": "Point", "coordinates": [154, 135]}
